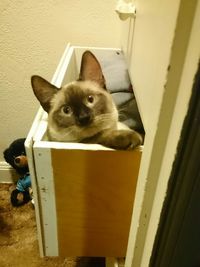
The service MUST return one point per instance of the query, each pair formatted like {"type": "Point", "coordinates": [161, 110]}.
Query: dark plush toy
{"type": "Point", "coordinates": [15, 155]}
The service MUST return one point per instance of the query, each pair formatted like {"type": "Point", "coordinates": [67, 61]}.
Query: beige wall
{"type": "Point", "coordinates": [33, 37]}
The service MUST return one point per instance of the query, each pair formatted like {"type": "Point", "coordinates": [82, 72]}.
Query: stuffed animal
{"type": "Point", "coordinates": [15, 155]}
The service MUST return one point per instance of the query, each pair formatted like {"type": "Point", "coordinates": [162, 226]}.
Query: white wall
{"type": "Point", "coordinates": [33, 37]}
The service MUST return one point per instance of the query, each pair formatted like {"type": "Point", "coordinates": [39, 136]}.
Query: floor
{"type": "Point", "coordinates": [18, 238]}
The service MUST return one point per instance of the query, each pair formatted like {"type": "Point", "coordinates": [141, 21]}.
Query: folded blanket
{"type": "Point", "coordinates": [119, 85]}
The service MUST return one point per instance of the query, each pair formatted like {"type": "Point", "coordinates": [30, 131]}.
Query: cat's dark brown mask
{"type": "Point", "coordinates": [78, 110]}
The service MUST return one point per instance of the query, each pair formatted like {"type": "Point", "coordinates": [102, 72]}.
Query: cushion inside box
{"type": "Point", "coordinates": [119, 85]}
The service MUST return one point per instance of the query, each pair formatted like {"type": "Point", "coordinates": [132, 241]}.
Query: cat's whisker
{"type": "Point", "coordinates": [121, 116]}
{"type": "Point", "coordinates": [103, 120]}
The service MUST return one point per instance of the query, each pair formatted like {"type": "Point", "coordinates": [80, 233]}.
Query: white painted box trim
{"type": "Point", "coordinates": [47, 198]}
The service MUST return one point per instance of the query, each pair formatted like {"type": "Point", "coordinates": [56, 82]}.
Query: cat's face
{"type": "Point", "coordinates": [81, 109]}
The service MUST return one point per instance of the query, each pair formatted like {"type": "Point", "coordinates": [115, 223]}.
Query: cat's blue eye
{"type": "Point", "coordinates": [66, 109]}
{"type": "Point", "coordinates": [90, 99]}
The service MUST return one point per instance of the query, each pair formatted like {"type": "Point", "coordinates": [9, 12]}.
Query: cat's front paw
{"type": "Point", "coordinates": [121, 139]}
{"type": "Point", "coordinates": [132, 140]}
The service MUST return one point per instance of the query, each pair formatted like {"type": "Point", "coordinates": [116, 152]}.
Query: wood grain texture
{"type": "Point", "coordinates": [94, 200]}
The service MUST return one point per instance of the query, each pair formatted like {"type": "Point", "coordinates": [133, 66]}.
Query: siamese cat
{"type": "Point", "coordinates": [83, 110]}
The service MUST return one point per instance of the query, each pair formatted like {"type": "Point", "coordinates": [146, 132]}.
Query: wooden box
{"type": "Point", "coordinates": [83, 194]}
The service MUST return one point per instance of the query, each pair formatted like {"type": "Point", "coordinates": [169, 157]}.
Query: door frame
{"type": "Point", "coordinates": [178, 89]}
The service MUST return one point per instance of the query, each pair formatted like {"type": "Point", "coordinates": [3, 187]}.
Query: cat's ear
{"type": "Point", "coordinates": [91, 69]}
{"type": "Point", "coordinates": [43, 90]}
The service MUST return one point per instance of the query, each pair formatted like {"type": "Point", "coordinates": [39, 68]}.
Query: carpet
{"type": "Point", "coordinates": [18, 238]}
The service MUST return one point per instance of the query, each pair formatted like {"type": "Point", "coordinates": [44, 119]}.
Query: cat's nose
{"type": "Point", "coordinates": [84, 119]}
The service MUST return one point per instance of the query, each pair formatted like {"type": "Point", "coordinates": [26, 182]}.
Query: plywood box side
{"type": "Point", "coordinates": [98, 190]}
